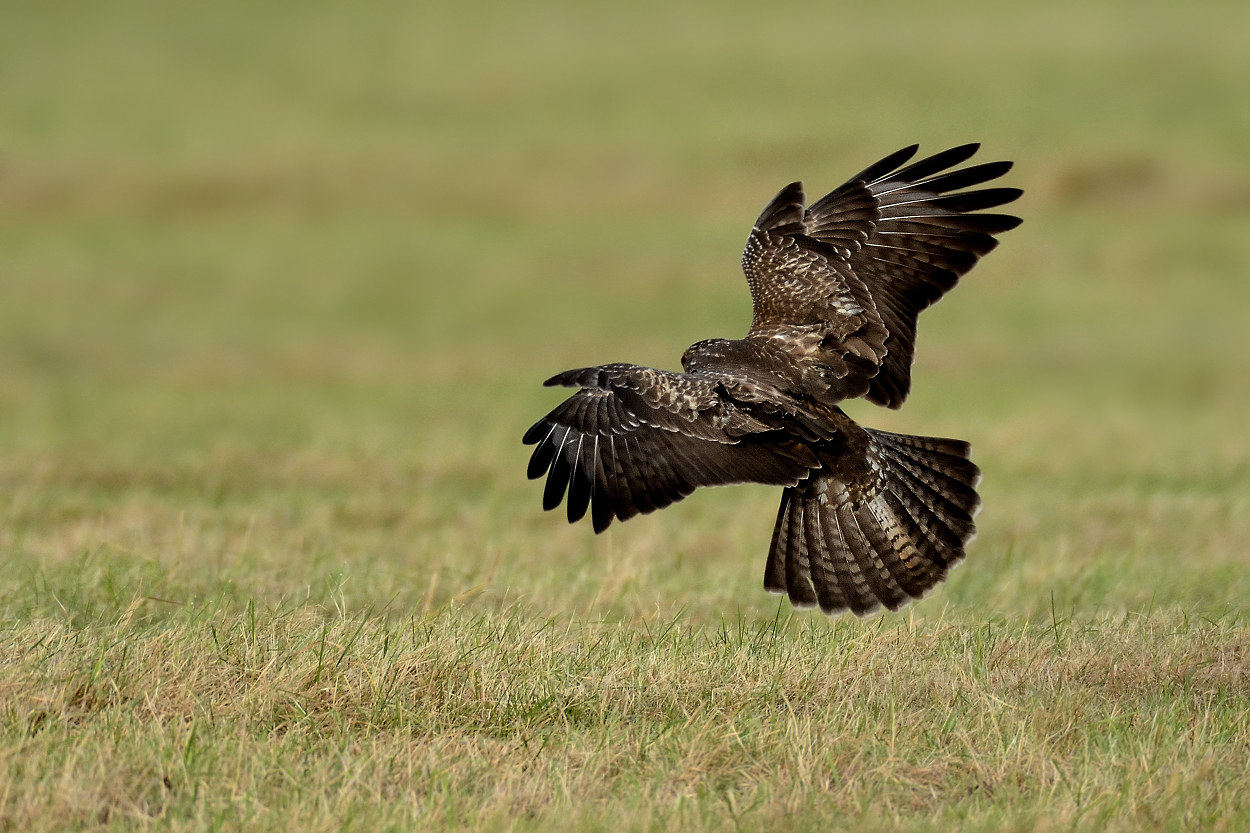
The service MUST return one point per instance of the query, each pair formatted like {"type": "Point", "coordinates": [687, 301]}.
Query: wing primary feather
{"type": "Point", "coordinates": [622, 494]}
{"type": "Point", "coordinates": [541, 459]}
{"type": "Point", "coordinates": [600, 493]}
{"type": "Point", "coordinates": [579, 484]}
{"type": "Point", "coordinates": [582, 377]}
{"type": "Point", "coordinates": [933, 164]}
{"type": "Point", "coordinates": [558, 478]}
{"type": "Point", "coordinates": [600, 421]}
{"type": "Point", "coordinates": [786, 207]}
{"type": "Point", "coordinates": [538, 431]}
{"type": "Point", "coordinates": [966, 177]}
{"type": "Point", "coordinates": [956, 225]}
{"type": "Point", "coordinates": [976, 200]}
{"type": "Point", "coordinates": [878, 169]}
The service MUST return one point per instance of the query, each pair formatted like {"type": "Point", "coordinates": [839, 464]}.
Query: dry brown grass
{"type": "Point", "coordinates": [287, 719]}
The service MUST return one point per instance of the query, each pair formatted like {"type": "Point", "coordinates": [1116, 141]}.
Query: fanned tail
{"type": "Point", "coordinates": [858, 546]}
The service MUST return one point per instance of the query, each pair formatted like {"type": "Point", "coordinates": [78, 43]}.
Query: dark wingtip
{"type": "Point", "coordinates": [578, 498]}
{"type": "Point", "coordinates": [563, 380]}
{"type": "Point", "coordinates": [1009, 222]}
{"type": "Point", "coordinates": [600, 512]}
{"type": "Point", "coordinates": [940, 161]}
{"type": "Point", "coordinates": [557, 483]}
{"type": "Point", "coordinates": [886, 165]}
{"type": "Point", "coordinates": [582, 377]}
{"type": "Point", "coordinates": [959, 153]}
{"type": "Point", "coordinates": [536, 432]}
{"type": "Point", "coordinates": [786, 207]}
{"type": "Point", "coordinates": [903, 154]}
{"type": "Point", "coordinates": [977, 200]}
{"type": "Point", "coordinates": [541, 459]}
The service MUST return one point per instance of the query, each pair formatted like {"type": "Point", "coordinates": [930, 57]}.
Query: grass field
{"type": "Point", "coordinates": [279, 283]}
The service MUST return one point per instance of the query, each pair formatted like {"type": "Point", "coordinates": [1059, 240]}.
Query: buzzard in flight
{"type": "Point", "coordinates": [867, 518]}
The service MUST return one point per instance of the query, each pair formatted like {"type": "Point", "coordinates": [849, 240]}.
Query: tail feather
{"type": "Point", "coordinates": [878, 543]}
{"type": "Point", "coordinates": [887, 557]}
{"type": "Point", "coordinates": [959, 473]}
{"type": "Point", "coordinates": [877, 585]}
{"type": "Point", "coordinates": [953, 496]}
{"type": "Point", "coordinates": [852, 583]}
{"type": "Point", "coordinates": [826, 568]}
{"type": "Point", "coordinates": [940, 445]}
{"type": "Point", "coordinates": [948, 456]}
{"type": "Point", "coordinates": [951, 521]}
{"type": "Point", "coordinates": [798, 562]}
{"type": "Point", "coordinates": [937, 545]}
{"type": "Point", "coordinates": [911, 565]}
{"type": "Point", "coordinates": [775, 569]}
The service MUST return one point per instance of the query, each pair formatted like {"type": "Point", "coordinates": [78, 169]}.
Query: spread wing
{"type": "Point", "coordinates": [635, 439]}
{"type": "Point", "coordinates": [866, 259]}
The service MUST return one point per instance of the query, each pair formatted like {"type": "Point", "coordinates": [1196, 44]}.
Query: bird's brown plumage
{"type": "Point", "coordinates": [867, 518]}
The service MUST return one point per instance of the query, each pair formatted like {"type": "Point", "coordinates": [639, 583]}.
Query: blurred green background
{"type": "Point", "coordinates": [279, 283]}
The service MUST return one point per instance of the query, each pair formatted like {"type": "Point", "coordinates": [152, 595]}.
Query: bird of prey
{"type": "Point", "coordinates": [868, 518]}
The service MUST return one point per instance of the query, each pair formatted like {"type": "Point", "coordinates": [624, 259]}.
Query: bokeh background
{"type": "Point", "coordinates": [279, 283]}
